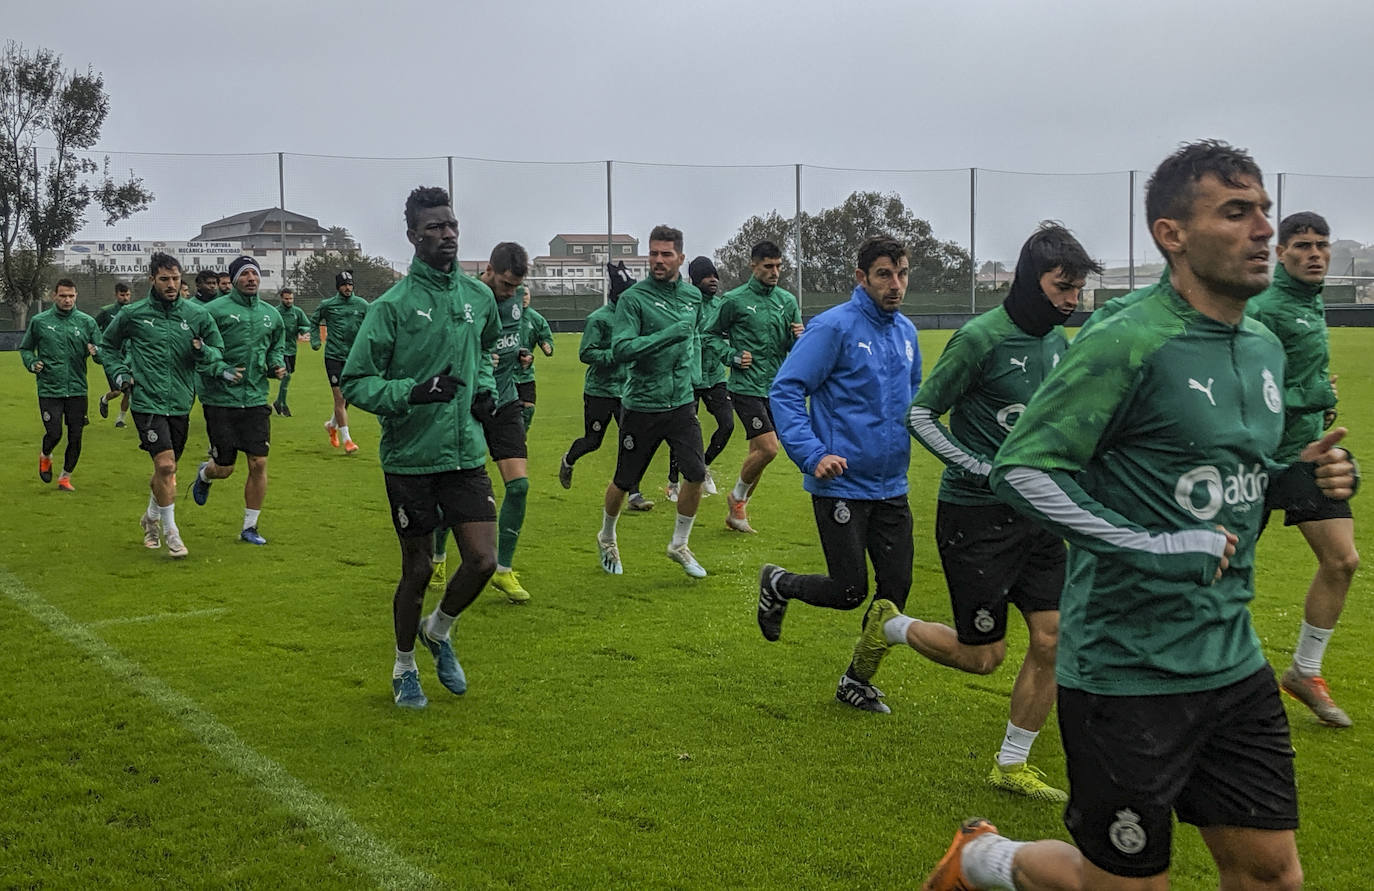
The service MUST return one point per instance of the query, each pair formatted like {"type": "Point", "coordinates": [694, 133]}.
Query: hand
{"type": "Point", "coordinates": [547, 348]}
{"type": "Point", "coordinates": [526, 358]}
{"type": "Point", "coordinates": [442, 387]}
{"type": "Point", "coordinates": [744, 359]}
{"type": "Point", "coordinates": [124, 382]}
{"type": "Point", "coordinates": [495, 361]}
{"type": "Point", "coordinates": [484, 406]}
{"type": "Point", "coordinates": [92, 349]}
{"type": "Point", "coordinates": [37, 367]}
{"type": "Point", "coordinates": [279, 372]}
{"type": "Point", "coordinates": [302, 338]}
{"type": "Point", "coordinates": [797, 328]}
{"type": "Point", "coordinates": [232, 375]}
{"type": "Point", "coordinates": [1334, 391]}
{"type": "Point", "coordinates": [830, 467]}
{"type": "Point", "coordinates": [1231, 541]}
{"type": "Point", "coordinates": [1336, 473]}
{"type": "Point", "coordinates": [196, 343]}
{"type": "Point", "coordinates": [1328, 418]}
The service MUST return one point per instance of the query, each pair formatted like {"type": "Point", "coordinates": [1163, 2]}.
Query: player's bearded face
{"type": "Point", "coordinates": [664, 260]}
{"type": "Point", "coordinates": [167, 283]}
{"type": "Point", "coordinates": [1226, 239]}
{"type": "Point", "coordinates": [767, 270]}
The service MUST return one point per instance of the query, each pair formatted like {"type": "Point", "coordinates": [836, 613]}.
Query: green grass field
{"type": "Point", "coordinates": [226, 720]}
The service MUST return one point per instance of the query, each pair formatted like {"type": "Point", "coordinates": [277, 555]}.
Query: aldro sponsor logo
{"type": "Point", "coordinates": [1203, 490]}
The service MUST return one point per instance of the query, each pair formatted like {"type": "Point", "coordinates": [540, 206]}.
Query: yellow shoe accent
{"type": "Point", "coordinates": [508, 583]}
{"type": "Point", "coordinates": [1022, 779]}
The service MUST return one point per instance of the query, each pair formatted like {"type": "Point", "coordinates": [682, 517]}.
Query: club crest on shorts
{"type": "Point", "coordinates": [841, 513]}
{"type": "Point", "coordinates": [628, 442]}
{"type": "Point", "coordinates": [756, 423]}
{"type": "Point", "coordinates": [152, 436]}
{"type": "Point", "coordinates": [1272, 400]}
{"type": "Point", "coordinates": [214, 453]}
{"type": "Point", "coordinates": [596, 426]}
{"type": "Point", "coordinates": [983, 621]}
{"type": "Point", "coordinates": [1126, 833]}
{"type": "Point", "coordinates": [334, 379]}
{"type": "Point", "coordinates": [47, 416]}
{"type": "Point", "coordinates": [401, 519]}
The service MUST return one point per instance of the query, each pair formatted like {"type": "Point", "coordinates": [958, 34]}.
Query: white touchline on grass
{"type": "Point", "coordinates": [329, 821]}
{"type": "Point", "coordinates": [158, 617]}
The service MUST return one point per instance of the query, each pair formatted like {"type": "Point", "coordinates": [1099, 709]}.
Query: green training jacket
{"type": "Point", "coordinates": [534, 330]}
{"type": "Point", "coordinates": [58, 340]}
{"type": "Point", "coordinates": [1296, 314]}
{"type": "Point", "coordinates": [605, 376]}
{"type": "Point", "coordinates": [655, 324]}
{"type": "Point", "coordinates": [427, 322]}
{"type": "Point", "coordinates": [296, 323]}
{"type": "Point", "coordinates": [151, 339]}
{"type": "Point", "coordinates": [1154, 429]}
{"type": "Point", "coordinates": [507, 350]}
{"type": "Point", "coordinates": [756, 318]}
{"type": "Point", "coordinates": [1117, 304]}
{"type": "Point", "coordinates": [253, 336]}
{"type": "Point", "coordinates": [342, 317]}
{"type": "Point", "coordinates": [715, 350]}
{"type": "Point", "coordinates": [107, 314]}
{"type": "Point", "coordinates": [985, 378]}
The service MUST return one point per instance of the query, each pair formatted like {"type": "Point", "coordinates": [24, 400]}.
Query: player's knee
{"type": "Point", "coordinates": [518, 489]}
{"type": "Point", "coordinates": [767, 447]}
{"type": "Point", "coordinates": [1269, 873]}
{"type": "Point", "coordinates": [1346, 562]}
{"type": "Point", "coordinates": [986, 659]}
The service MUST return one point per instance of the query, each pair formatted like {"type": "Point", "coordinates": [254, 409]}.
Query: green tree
{"type": "Point", "coordinates": [831, 240]}
{"type": "Point", "coordinates": [43, 200]}
{"type": "Point", "coordinates": [313, 279]}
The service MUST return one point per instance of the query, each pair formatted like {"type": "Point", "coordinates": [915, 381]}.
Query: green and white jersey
{"type": "Point", "coordinates": [758, 318]}
{"type": "Point", "coordinates": [1156, 428]}
{"type": "Point", "coordinates": [984, 379]}
{"type": "Point", "coordinates": [1117, 304]}
{"type": "Point", "coordinates": [605, 376]}
{"type": "Point", "coordinates": [507, 350]}
{"type": "Point", "coordinates": [534, 330]}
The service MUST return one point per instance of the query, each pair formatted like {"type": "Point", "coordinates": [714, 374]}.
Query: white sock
{"type": "Point", "coordinates": [169, 518]}
{"type": "Point", "coordinates": [741, 490]}
{"type": "Point", "coordinates": [41, 455]}
{"type": "Point", "coordinates": [66, 475]}
{"type": "Point", "coordinates": [894, 629]}
{"type": "Point", "coordinates": [343, 433]}
{"type": "Point", "coordinates": [404, 662]}
{"type": "Point", "coordinates": [330, 423]}
{"type": "Point", "coordinates": [439, 624]}
{"type": "Point", "coordinates": [152, 513]}
{"type": "Point", "coordinates": [681, 530]}
{"type": "Point", "coordinates": [250, 517]}
{"type": "Point", "coordinates": [987, 860]}
{"type": "Point", "coordinates": [1016, 745]}
{"type": "Point", "coordinates": [121, 415]}
{"type": "Point", "coordinates": [200, 473]}
{"type": "Point", "coordinates": [500, 568]}
{"type": "Point", "coordinates": [608, 525]}
{"type": "Point", "coordinates": [1307, 658]}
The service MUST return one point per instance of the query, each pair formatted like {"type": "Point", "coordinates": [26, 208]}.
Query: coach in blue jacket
{"type": "Point", "coordinates": [860, 366]}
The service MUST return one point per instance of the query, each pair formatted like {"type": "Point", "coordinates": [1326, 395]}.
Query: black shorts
{"type": "Point", "coordinates": [755, 414]}
{"type": "Point", "coordinates": [1216, 758]}
{"type": "Point", "coordinates": [505, 433]}
{"type": "Point", "coordinates": [289, 360]}
{"type": "Point", "coordinates": [993, 556]}
{"type": "Point", "coordinates": [333, 369]}
{"type": "Point", "coordinates": [234, 430]}
{"type": "Point", "coordinates": [641, 433]}
{"type": "Point", "coordinates": [161, 433]}
{"type": "Point", "coordinates": [57, 410]}
{"type": "Point", "coordinates": [850, 528]}
{"type": "Point", "coordinates": [1295, 492]}
{"type": "Point", "coordinates": [109, 379]}
{"type": "Point", "coordinates": [422, 503]}
{"type": "Point", "coordinates": [716, 399]}
{"type": "Point", "coordinates": [525, 390]}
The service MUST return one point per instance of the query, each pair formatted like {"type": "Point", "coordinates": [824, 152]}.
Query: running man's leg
{"type": "Point", "coordinates": [757, 420]}
{"type": "Point", "coordinates": [74, 416]}
{"type": "Point", "coordinates": [1333, 543]}
{"type": "Point", "coordinates": [50, 410]}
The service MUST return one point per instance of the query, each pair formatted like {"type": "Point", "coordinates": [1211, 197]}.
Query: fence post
{"type": "Point", "coordinates": [450, 182]}
{"type": "Point", "coordinates": [281, 219]}
{"type": "Point", "coordinates": [973, 239]}
{"type": "Point", "coordinates": [796, 233]}
{"type": "Point", "coordinates": [1278, 216]}
{"type": "Point", "coordinates": [610, 228]}
{"type": "Point", "coordinates": [1130, 237]}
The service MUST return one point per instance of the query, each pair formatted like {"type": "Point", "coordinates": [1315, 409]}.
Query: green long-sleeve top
{"type": "Point", "coordinates": [655, 324]}
{"type": "Point", "coordinates": [296, 323]}
{"type": "Point", "coordinates": [985, 377]}
{"type": "Point", "coordinates": [59, 339]}
{"type": "Point", "coordinates": [341, 317]}
{"type": "Point", "coordinates": [428, 322]}
{"type": "Point", "coordinates": [1294, 311]}
{"type": "Point", "coordinates": [151, 339]}
{"type": "Point", "coordinates": [107, 314]}
{"type": "Point", "coordinates": [605, 376]}
{"type": "Point", "coordinates": [757, 318]}
{"type": "Point", "coordinates": [507, 349]}
{"type": "Point", "coordinates": [254, 340]}
{"type": "Point", "coordinates": [1154, 429]}
{"type": "Point", "coordinates": [534, 331]}
{"type": "Point", "coordinates": [715, 350]}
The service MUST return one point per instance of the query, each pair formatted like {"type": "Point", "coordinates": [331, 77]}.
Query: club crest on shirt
{"type": "Point", "coordinates": [515, 312]}
{"type": "Point", "coordinates": [910, 352]}
{"type": "Point", "coordinates": [1273, 400]}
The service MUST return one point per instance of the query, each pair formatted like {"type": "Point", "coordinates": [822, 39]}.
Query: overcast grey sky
{"type": "Point", "coordinates": [1051, 87]}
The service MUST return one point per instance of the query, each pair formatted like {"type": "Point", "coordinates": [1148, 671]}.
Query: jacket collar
{"type": "Point", "coordinates": [870, 309]}
{"type": "Point", "coordinates": [1294, 288]}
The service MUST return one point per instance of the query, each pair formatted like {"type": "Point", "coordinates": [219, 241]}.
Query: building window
{"type": "Point", "coordinates": [624, 248]}
{"type": "Point", "coordinates": [258, 252]}
{"type": "Point", "coordinates": [577, 249]}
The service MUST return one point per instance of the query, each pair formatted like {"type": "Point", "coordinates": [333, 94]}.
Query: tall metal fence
{"type": "Point", "coordinates": [981, 216]}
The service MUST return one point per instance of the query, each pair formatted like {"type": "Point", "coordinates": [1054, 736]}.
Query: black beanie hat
{"type": "Point", "coordinates": [240, 264]}
{"type": "Point", "coordinates": [701, 268]}
{"type": "Point", "coordinates": [620, 279]}
{"type": "Point", "coordinates": [343, 278]}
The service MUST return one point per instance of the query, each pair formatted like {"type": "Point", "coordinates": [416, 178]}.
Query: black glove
{"type": "Point", "coordinates": [442, 387]}
{"type": "Point", "coordinates": [484, 406]}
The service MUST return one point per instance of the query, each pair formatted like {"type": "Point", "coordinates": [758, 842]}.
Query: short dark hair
{"type": "Point", "coordinates": [667, 233]}
{"type": "Point", "coordinates": [1052, 246]}
{"type": "Point", "coordinates": [765, 250]}
{"type": "Point", "coordinates": [877, 246]}
{"type": "Point", "coordinates": [64, 283]}
{"type": "Point", "coordinates": [510, 257]}
{"type": "Point", "coordinates": [285, 291]}
{"type": "Point", "coordinates": [1171, 188]}
{"type": "Point", "coordinates": [1303, 221]}
{"type": "Point", "coordinates": [224, 274]}
{"type": "Point", "coordinates": [121, 287]}
{"type": "Point", "coordinates": [162, 261]}
{"type": "Point", "coordinates": [425, 196]}
{"type": "Point", "coordinates": [206, 275]}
